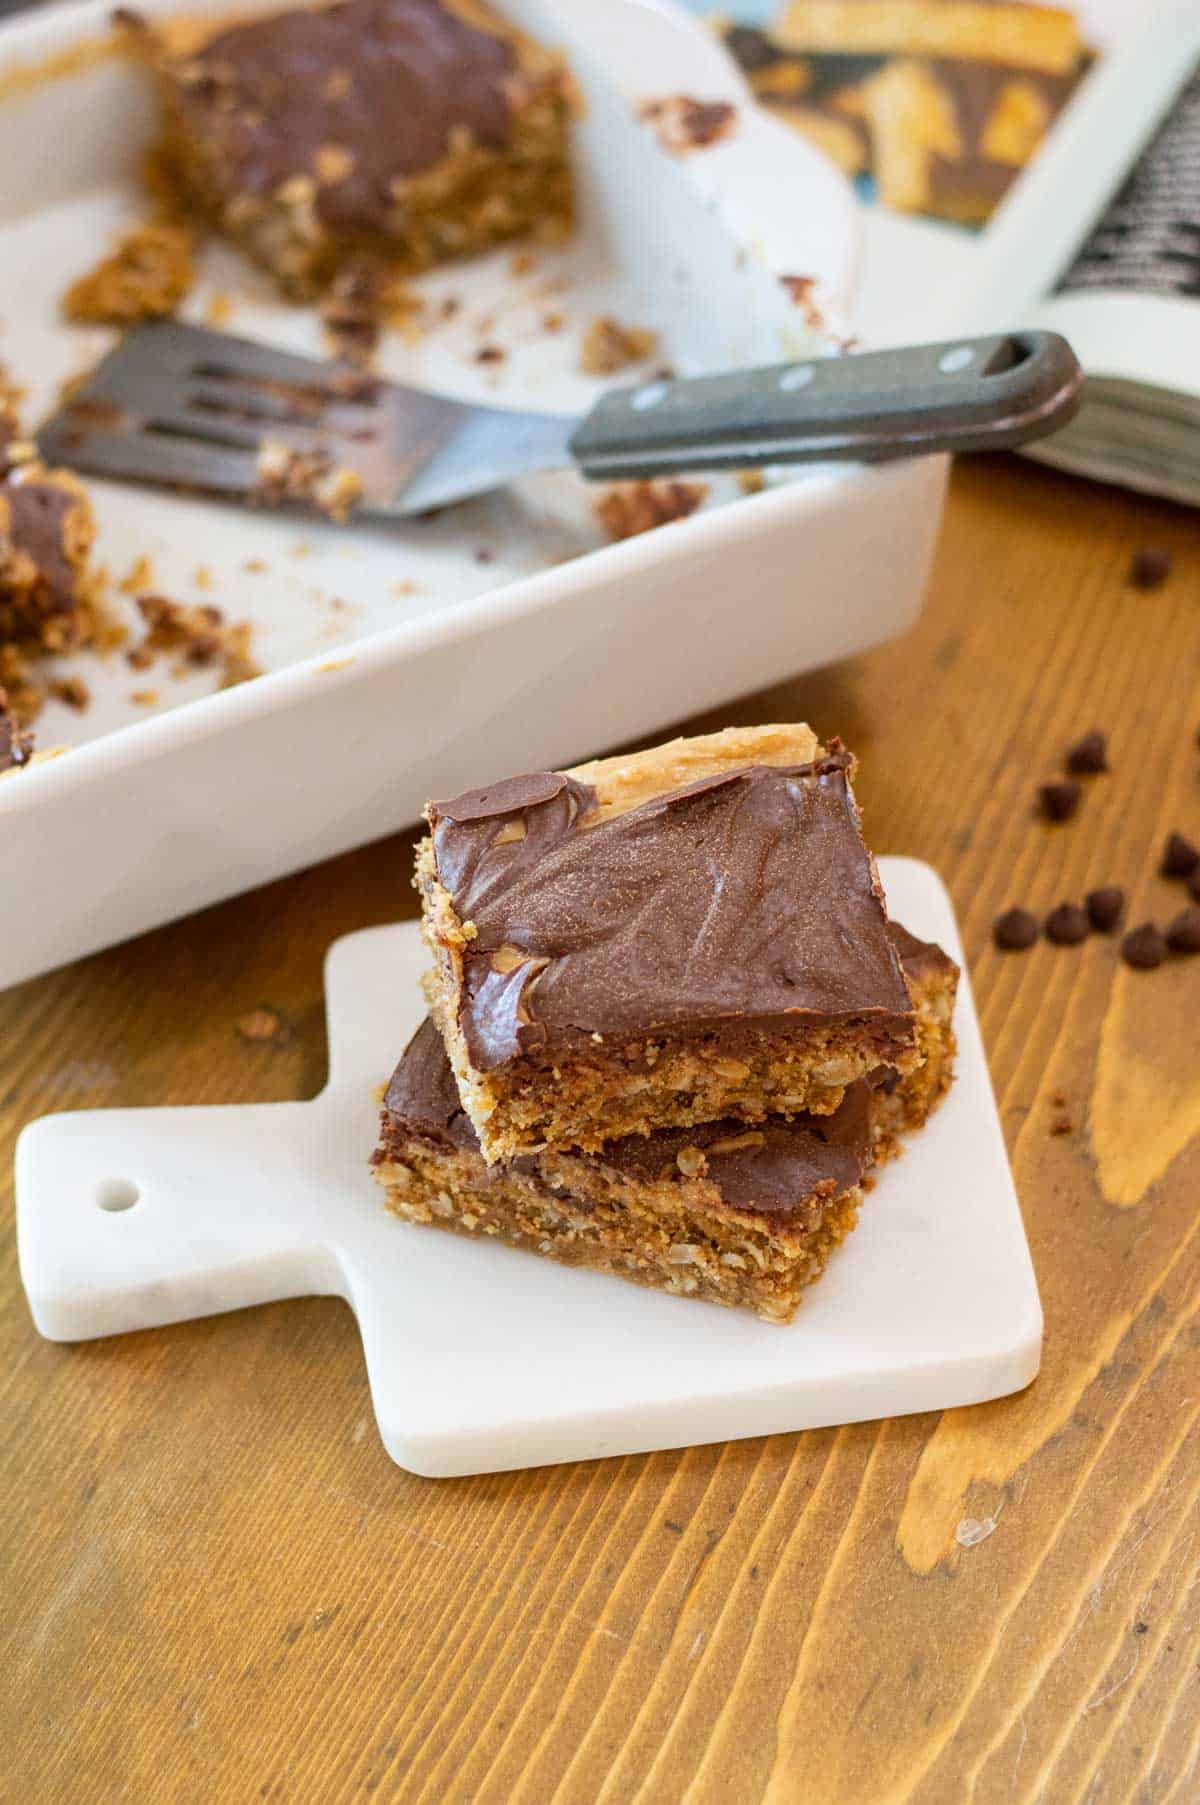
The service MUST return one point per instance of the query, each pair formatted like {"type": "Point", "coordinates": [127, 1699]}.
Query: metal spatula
{"type": "Point", "coordinates": [181, 406]}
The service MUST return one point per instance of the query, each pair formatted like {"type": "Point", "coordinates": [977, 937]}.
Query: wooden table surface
{"type": "Point", "coordinates": [217, 1586]}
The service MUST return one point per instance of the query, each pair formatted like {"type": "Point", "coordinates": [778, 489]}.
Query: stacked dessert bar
{"type": "Point", "coordinates": [671, 1028]}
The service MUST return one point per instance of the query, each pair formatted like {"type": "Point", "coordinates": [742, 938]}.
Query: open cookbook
{"type": "Point", "coordinates": [1101, 241]}
{"type": "Point", "coordinates": [1020, 164]}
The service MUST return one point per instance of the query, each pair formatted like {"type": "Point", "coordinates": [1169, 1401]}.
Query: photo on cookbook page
{"type": "Point", "coordinates": [932, 110]}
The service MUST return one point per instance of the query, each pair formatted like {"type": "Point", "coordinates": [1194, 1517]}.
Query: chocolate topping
{"type": "Point", "coordinates": [422, 1093]}
{"type": "Point", "coordinates": [918, 957]}
{"type": "Point", "coordinates": [384, 84]}
{"type": "Point", "coordinates": [504, 797]}
{"type": "Point", "coordinates": [772, 1170]}
{"type": "Point", "coordinates": [37, 512]}
{"type": "Point", "coordinates": [722, 908]}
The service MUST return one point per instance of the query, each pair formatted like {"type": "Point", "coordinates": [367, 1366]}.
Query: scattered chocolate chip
{"type": "Point", "coordinates": [490, 354]}
{"type": "Point", "coordinates": [1149, 567]}
{"type": "Point", "coordinates": [1183, 935]}
{"type": "Point", "coordinates": [1088, 755]}
{"type": "Point", "coordinates": [1015, 930]}
{"type": "Point", "coordinates": [1059, 800]}
{"type": "Point", "coordinates": [1061, 1124]}
{"type": "Point", "coordinates": [1194, 884]}
{"type": "Point", "coordinates": [1180, 858]}
{"type": "Point", "coordinates": [1105, 908]}
{"type": "Point", "coordinates": [1067, 925]}
{"type": "Point", "coordinates": [1144, 947]}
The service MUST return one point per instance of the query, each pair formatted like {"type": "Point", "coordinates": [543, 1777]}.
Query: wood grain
{"type": "Point", "coordinates": [218, 1587]}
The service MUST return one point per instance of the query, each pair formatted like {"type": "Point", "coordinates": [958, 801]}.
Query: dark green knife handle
{"type": "Point", "coordinates": [963, 395]}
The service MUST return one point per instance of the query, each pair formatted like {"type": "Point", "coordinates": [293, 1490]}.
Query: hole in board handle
{"type": "Point", "coordinates": [114, 1194]}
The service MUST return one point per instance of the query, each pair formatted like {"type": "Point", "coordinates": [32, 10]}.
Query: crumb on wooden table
{"type": "Point", "coordinates": [264, 1024]}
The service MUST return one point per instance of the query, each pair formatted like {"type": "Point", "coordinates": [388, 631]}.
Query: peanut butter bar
{"type": "Point", "coordinates": [950, 137]}
{"type": "Point", "coordinates": [950, 98]}
{"type": "Point", "coordinates": [46, 534]}
{"type": "Point", "coordinates": [407, 131]}
{"type": "Point", "coordinates": [16, 745]}
{"type": "Point", "coordinates": [721, 1211]}
{"type": "Point", "coordinates": [902, 1103]}
{"type": "Point", "coordinates": [736, 1215]}
{"type": "Point", "coordinates": [689, 933]}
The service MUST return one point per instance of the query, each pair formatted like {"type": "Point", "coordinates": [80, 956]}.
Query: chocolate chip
{"type": "Point", "coordinates": [1183, 935]}
{"type": "Point", "coordinates": [1105, 908]}
{"type": "Point", "coordinates": [1060, 800]}
{"type": "Point", "coordinates": [1088, 755]}
{"type": "Point", "coordinates": [1144, 947]}
{"type": "Point", "coordinates": [1015, 930]}
{"type": "Point", "coordinates": [1149, 567]}
{"type": "Point", "coordinates": [1067, 925]}
{"type": "Point", "coordinates": [1194, 884]}
{"type": "Point", "coordinates": [1061, 1124]}
{"type": "Point", "coordinates": [1180, 858]}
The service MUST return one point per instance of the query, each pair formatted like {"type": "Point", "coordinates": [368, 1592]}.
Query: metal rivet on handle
{"type": "Point", "coordinates": [650, 396]}
{"type": "Point", "coordinates": [115, 1194]}
{"type": "Point", "coordinates": [950, 362]}
{"type": "Point", "coordinates": [798, 377]}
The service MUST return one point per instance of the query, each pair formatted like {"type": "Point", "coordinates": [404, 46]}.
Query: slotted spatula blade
{"type": "Point", "coordinates": [190, 408]}
{"type": "Point", "coordinates": [181, 406]}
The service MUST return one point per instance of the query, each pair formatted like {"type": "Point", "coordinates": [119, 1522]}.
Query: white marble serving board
{"type": "Point", "coordinates": [481, 1358]}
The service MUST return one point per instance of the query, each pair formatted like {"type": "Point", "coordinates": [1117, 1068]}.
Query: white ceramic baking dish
{"type": "Point", "coordinates": [501, 635]}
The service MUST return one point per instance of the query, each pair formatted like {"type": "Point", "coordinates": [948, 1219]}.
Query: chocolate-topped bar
{"type": "Point", "coordinates": [738, 1215]}
{"type": "Point", "coordinates": [692, 932]}
{"type": "Point", "coordinates": [721, 1211]}
{"type": "Point", "coordinates": [46, 534]}
{"type": "Point", "coordinates": [902, 1103]}
{"type": "Point", "coordinates": [402, 130]}
{"type": "Point", "coordinates": [16, 745]}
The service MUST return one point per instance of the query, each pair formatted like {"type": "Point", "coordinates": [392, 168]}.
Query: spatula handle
{"type": "Point", "coordinates": [979, 394]}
